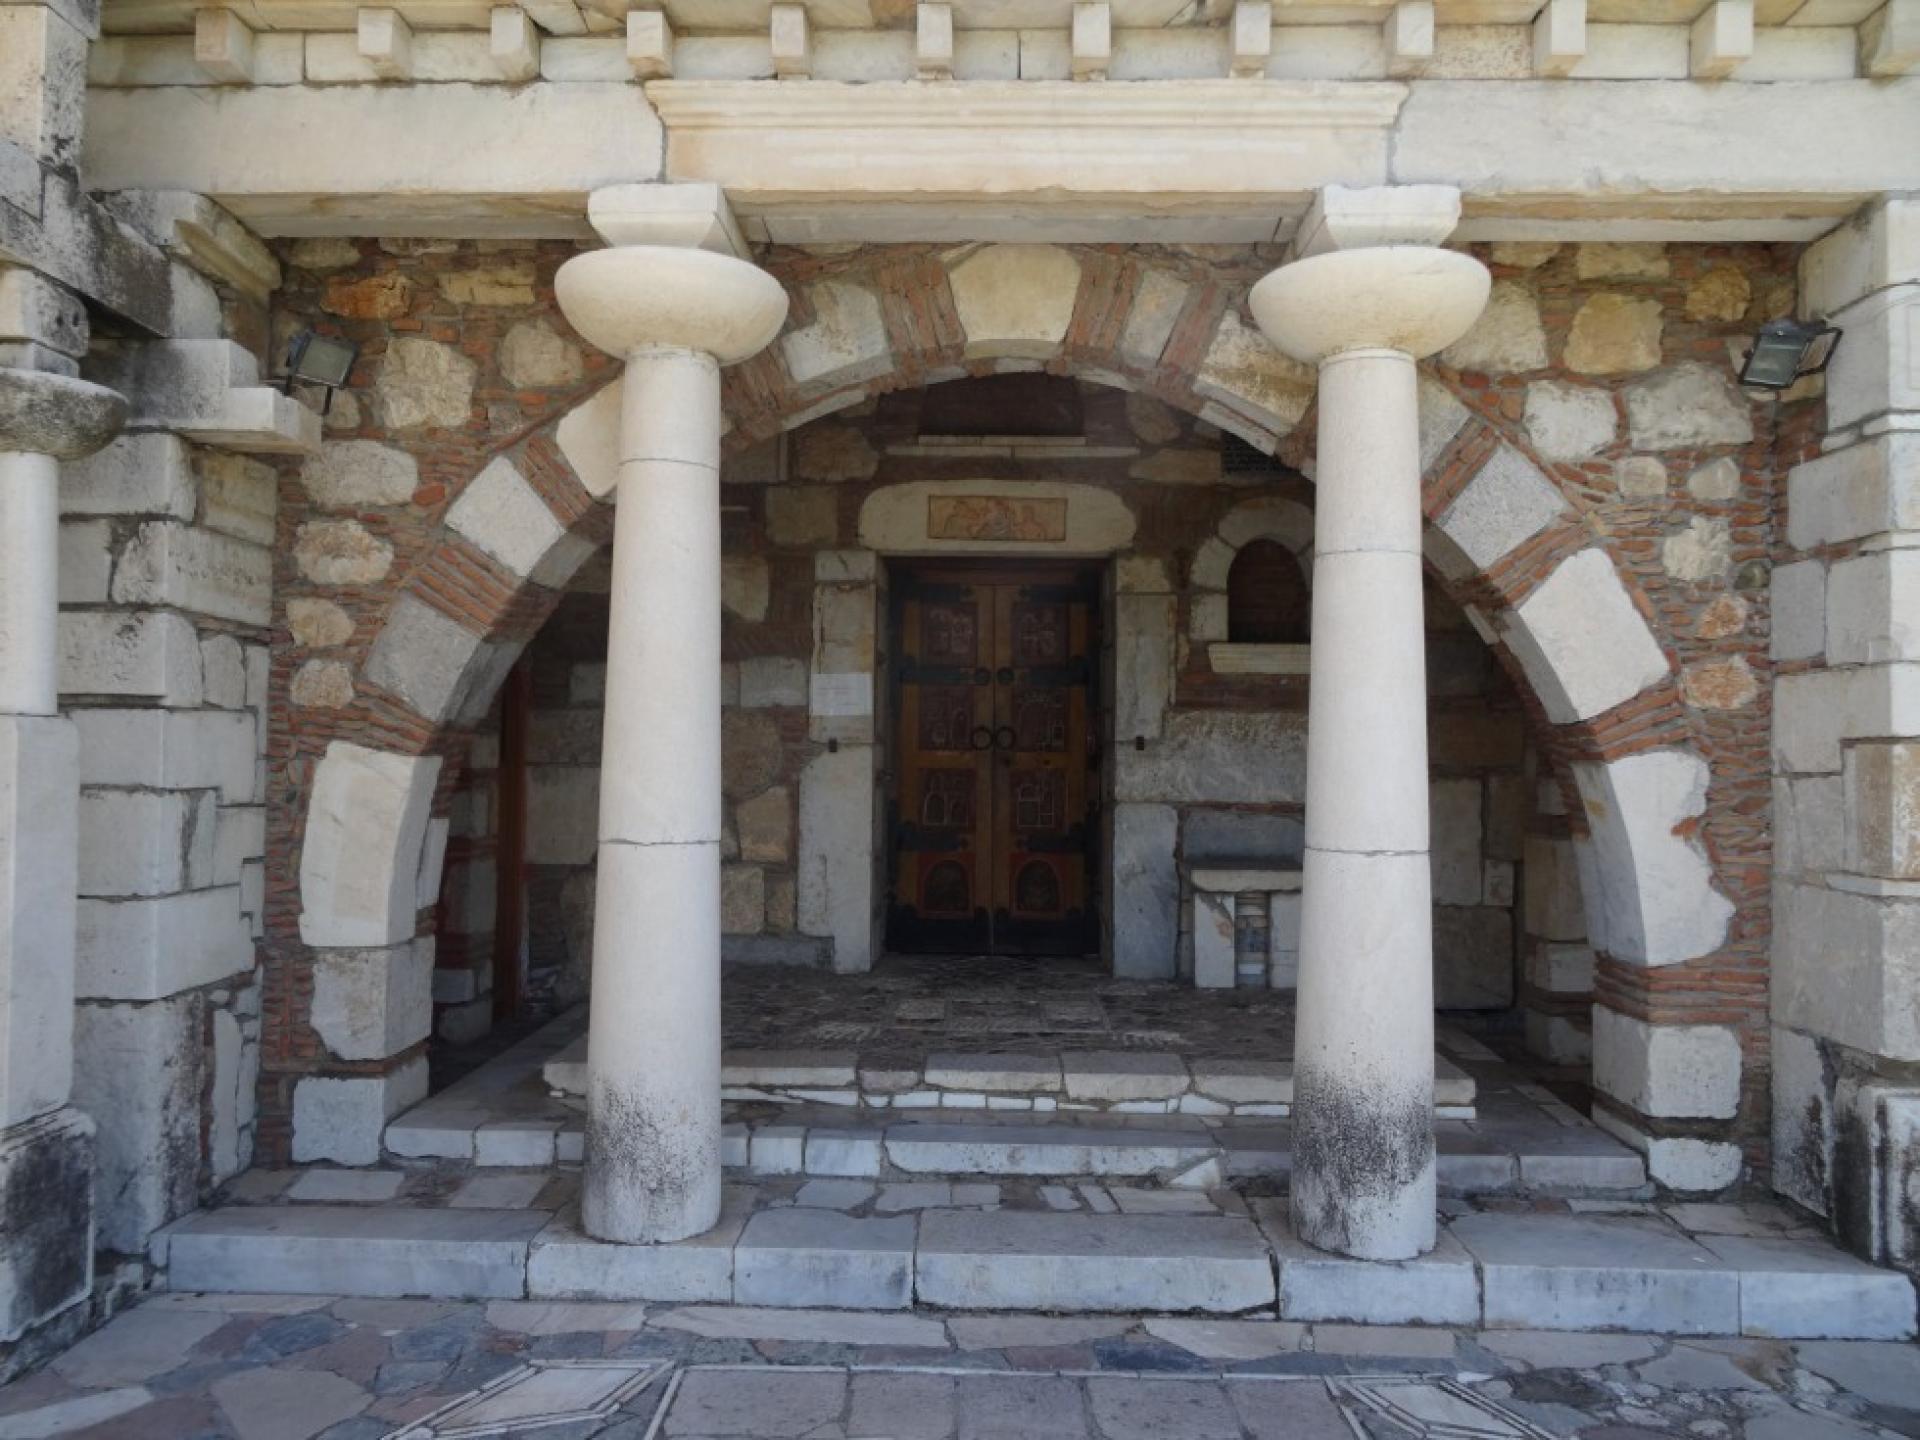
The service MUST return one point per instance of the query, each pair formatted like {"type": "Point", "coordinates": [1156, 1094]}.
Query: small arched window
{"type": "Point", "coordinates": [1267, 598]}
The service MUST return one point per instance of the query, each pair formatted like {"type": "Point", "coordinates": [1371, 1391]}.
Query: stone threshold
{"type": "Point", "coordinates": [1117, 1082]}
{"type": "Point", "coordinates": [1727, 1270]}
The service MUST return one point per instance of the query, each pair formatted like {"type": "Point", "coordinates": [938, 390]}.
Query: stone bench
{"type": "Point", "coordinates": [1246, 925]}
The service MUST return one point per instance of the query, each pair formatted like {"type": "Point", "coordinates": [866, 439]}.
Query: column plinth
{"type": "Point", "coordinates": [653, 1049]}
{"type": "Point", "coordinates": [1363, 1154]}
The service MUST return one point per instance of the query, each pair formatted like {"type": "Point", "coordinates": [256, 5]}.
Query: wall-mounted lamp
{"type": "Point", "coordinates": [315, 359]}
{"type": "Point", "coordinates": [1787, 350]}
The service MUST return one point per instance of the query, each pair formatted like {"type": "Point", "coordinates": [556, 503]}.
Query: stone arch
{"type": "Point", "coordinates": [1508, 536]}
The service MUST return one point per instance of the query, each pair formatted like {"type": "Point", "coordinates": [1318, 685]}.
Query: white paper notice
{"type": "Point", "coordinates": [848, 694]}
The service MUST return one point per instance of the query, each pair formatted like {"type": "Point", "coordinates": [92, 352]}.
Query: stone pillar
{"type": "Point", "coordinates": [1363, 1157]}
{"type": "Point", "coordinates": [46, 1147]}
{"type": "Point", "coordinates": [676, 315]}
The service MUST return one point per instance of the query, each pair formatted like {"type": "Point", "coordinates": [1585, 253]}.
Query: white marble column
{"type": "Point", "coordinates": [1363, 1157]}
{"type": "Point", "coordinates": [653, 1052]}
{"type": "Point", "coordinates": [46, 1147]}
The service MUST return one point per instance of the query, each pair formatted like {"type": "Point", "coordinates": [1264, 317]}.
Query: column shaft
{"type": "Point", "coordinates": [29, 583]}
{"type": "Point", "coordinates": [653, 1144]}
{"type": "Point", "coordinates": [1363, 1158]}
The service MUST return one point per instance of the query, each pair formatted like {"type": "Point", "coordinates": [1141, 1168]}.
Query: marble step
{"type": "Point", "coordinates": [1122, 1082]}
{"type": "Point", "coordinates": [1502, 1270]}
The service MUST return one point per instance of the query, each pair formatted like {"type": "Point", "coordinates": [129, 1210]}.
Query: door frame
{"type": "Point", "coordinates": [1096, 572]}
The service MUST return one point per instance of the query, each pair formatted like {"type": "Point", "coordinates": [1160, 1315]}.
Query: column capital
{"type": "Point", "coordinates": [697, 215]}
{"type": "Point", "coordinates": [1411, 298]}
{"type": "Point", "coordinates": [42, 413]}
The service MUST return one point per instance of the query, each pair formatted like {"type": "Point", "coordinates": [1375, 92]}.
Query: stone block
{"type": "Point", "coordinates": [800, 1257]}
{"type": "Point", "coordinates": [1816, 710]}
{"type": "Point", "coordinates": [845, 344]}
{"type": "Point", "coordinates": [1702, 552]}
{"type": "Point", "coordinates": [341, 552]}
{"type": "Point", "coordinates": [366, 825]}
{"type": "Point", "coordinates": [563, 813]}
{"type": "Point", "coordinates": [1799, 610]}
{"type": "Point", "coordinates": [358, 474]}
{"type": "Point", "coordinates": [354, 1250]}
{"type": "Point", "coordinates": [1473, 957]}
{"type": "Point", "coordinates": [39, 787]}
{"type": "Point", "coordinates": [1226, 757]}
{"type": "Point", "coordinates": [772, 681]}
{"type": "Point", "coordinates": [1508, 337]}
{"type": "Point", "coordinates": [207, 390]}
{"type": "Point", "coordinates": [1651, 883]}
{"type": "Point", "coordinates": [139, 1072]}
{"type": "Point", "coordinates": [1143, 664]}
{"type": "Point", "coordinates": [1795, 1289]}
{"type": "Point", "coordinates": [1025, 1260]}
{"type": "Point", "coordinates": [239, 497]}
{"type": "Point", "coordinates": [1016, 1074]}
{"type": "Point", "coordinates": [1561, 969]}
{"type": "Point", "coordinates": [535, 356]}
{"type": "Point", "coordinates": [565, 1263]}
{"type": "Point", "coordinates": [1843, 965]}
{"type": "Point", "coordinates": [1878, 368]}
{"type": "Point", "coordinates": [802, 515]}
{"type": "Point", "coordinates": [1554, 905]}
{"type": "Point", "coordinates": [504, 516]}
{"type": "Point", "coordinates": [1146, 889]}
{"type": "Point", "coordinates": [138, 842]}
{"type": "Point", "coordinates": [1582, 642]}
{"type": "Point", "coordinates": [145, 474]}
{"type": "Point", "coordinates": [170, 749]}
{"type": "Point", "coordinates": [46, 1190]}
{"type": "Point", "coordinates": [1213, 952]}
{"type": "Point", "coordinates": [369, 1004]}
{"type": "Point", "coordinates": [1440, 1287]}
{"type": "Point", "coordinates": [145, 654]}
{"type": "Point", "coordinates": [1882, 810]}
{"type": "Point", "coordinates": [1873, 608]}
{"type": "Point", "coordinates": [342, 1118]}
{"type": "Point", "coordinates": [845, 1153]}
{"type": "Point", "coordinates": [836, 845]}
{"type": "Point", "coordinates": [1614, 334]}
{"type": "Point", "coordinates": [223, 672]}
{"type": "Point", "coordinates": [1108, 1075]}
{"type": "Point", "coordinates": [1558, 1272]}
{"type": "Point", "coordinates": [1803, 1120]}
{"type": "Point", "coordinates": [424, 384]}
{"type": "Point", "coordinates": [1863, 489]}
{"type": "Point", "coordinates": [1015, 300]}
{"type": "Point", "coordinates": [1689, 406]}
{"type": "Point", "coordinates": [1454, 811]}
{"type": "Point", "coordinates": [1666, 1070]}
{"type": "Point", "coordinates": [1809, 825]}
{"type": "Point", "coordinates": [1250, 379]}
{"type": "Point", "coordinates": [150, 948]}
{"type": "Point", "coordinates": [434, 663]}
{"type": "Point", "coordinates": [85, 562]}
{"type": "Point", "coordinates": [1569, 422]}
{"type": "Point", "coordinates": [188, 568]}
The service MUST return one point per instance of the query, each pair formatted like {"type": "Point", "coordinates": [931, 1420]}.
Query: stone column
{"type": "Point", "coordinates": [1363, 1158]}
{"type": "Point", "coordinates": [46, 1153]}
{"type": "Point", "coordinates": [676, 315]}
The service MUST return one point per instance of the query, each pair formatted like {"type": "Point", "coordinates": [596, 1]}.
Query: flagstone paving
{"type": "Point", "coordinates": [240, 1367]}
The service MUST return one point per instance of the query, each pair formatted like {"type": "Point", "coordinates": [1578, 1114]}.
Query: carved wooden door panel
{"type": "Point", "coordinates": [993, 753]}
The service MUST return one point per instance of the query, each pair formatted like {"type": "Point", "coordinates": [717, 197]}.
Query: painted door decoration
{"type": "Point", "coordinates": [995, 761]}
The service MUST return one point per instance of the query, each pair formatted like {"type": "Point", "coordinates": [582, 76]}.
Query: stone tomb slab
{"type": "Point", "coordinates": [1026, 1260]}
{"type": "Point", "coordinates": [1575, 1272]}
{"type": "Point", "coordinates": [797, 1257]}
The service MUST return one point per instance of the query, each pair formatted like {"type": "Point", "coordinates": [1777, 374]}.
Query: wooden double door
{"type": "Point", "coordinates": [995, 760]}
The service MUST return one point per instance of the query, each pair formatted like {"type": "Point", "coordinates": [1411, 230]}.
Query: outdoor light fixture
{"type": "Point", "coordinates": [1786, 350]}
{"type": "Point", "coordinates": [316, 359]}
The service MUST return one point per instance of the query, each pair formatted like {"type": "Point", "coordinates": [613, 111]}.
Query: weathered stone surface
{"type": "Point", "coordinates": [751, 752]}
{"type": "Point", "coordinates": [744, 586]}
{"type": "Point", "coordinates": [46, 1187]}
{"type": "Point", "coordinates": [832, 452]}
{"type": "Point", "coordinates": [138, 1072]}
{"type": "Point", "coordinates": [802, 515]}
{"type": "Point", "coordinates": [836, 843]}
{"type": "Point", "coordinates": [354, 474]}
{"type": "Point", "coordinates": [1015, 300]}
{"type": "Point", "coordinates": [490, 285]}
{"type": "Point", "coordinates": [366, 825]}
{"type": "Point", "coordinates": [1723, 293]}
{"type": "Point", "coordinates": [1635, 260]}
{"type": "Point", "coordinates": [743, 899]}
{"type": "Point", "coordinates": [238, 496]}
{"type": "Point", "coordinates": [1157, 304]}
{"type": "Point", "coordinates": [377, 297]}
{"type": "Point", "coordinates": [342, 1119]}
{"type": "Point", "coordinates": [535, 356]}
{"type": "Point", "coordinates": [1220, 756]}
{"type": "Point", "coordinates": [1146, 890]}
{"type": "Point", "coordinates": [1247, 375]}
{"type": "Point", "coordinates": [150, 653]}
{"type": "Point", "coordinates": [423, 383]}
{"type": "Point", "coordinates": [322, 685]}
{"type": "Point", "coordinates": [1152, 422]}
{"type": "Point", "coordinates": [1640, 477]}
{"type": "Point", "coordinates": [341, 552]}
{"type": "Point", "coordinates": [1689, 405]}
{"type": "Point", "coordinates": [1524, 254]}
{"type": "Point", "coordinates": [1720, 684]}
{"type": "Point", "coordinates": [1507, 338]}
{"type": "Point", "coordinates": [1883, 809]}
{"type": "Point", "coordinates": [1506, 503]}
{"type": "Point", "coordinates": [1441, 418]}
{"type": "Point", "coordinates": [322, 253]}
{"type": "Point", "coordinates": [765, 825]}
{"type": "Point", "coordinates": [846, 341]}
{"type": "Point", "coordinates": [369, 1004]}
{"type": "Point", "coordinates": [1701, 552]}
{"type": "Point", "coordinates": [197, 570]}
{"type": "Point", "coordinates": [1666, 1070]}
{"type": "Point", "coordinates": [1614, 334]}
{"type": "Point", "coordinates": [1716, 480]}
{"type": "Point", "coordinates": [433, 662]}
{"type": "Point", "coordinates": [1569, 422]}
{"type": "Point", "coordinates": [503, 515]}
{"type": "Point", "coordinates": [1582, 642]}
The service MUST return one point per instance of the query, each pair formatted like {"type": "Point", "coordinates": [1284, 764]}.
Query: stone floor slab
{"type": "Point", "coordinates": [1796, 1288]}
{"type": "Point", "coordinates": [1883, 1372]}
{"type": "Point", "coordinates": [825, 1327]}
{"type": "Point", "coordinates": [1441, 1287]}
{"type": "Point", "coordinates": [1229, 1340]}
{"type": "Point", "coordinates": [348, 1186]}
{"type": "Point", "coordinates": [1062, 1148]}
{"type": "Point", "coordinates": [1156, 1409]}
{"type": "Point", "coordinates": [286, 1404]}
{"type": "Point", "coordinates": [132, 1348]}
{"type": "Point", "coordinates": [771, 1403]}
{"type": "Point", "coordinates": [1031, 1260]}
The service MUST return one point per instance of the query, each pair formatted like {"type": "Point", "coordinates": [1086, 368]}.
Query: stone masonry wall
{"type": "Point", "coordinates": [1601, 498]}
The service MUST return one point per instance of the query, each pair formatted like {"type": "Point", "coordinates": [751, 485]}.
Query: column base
{"type": "Point", "coordinates": [46, 1219]}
